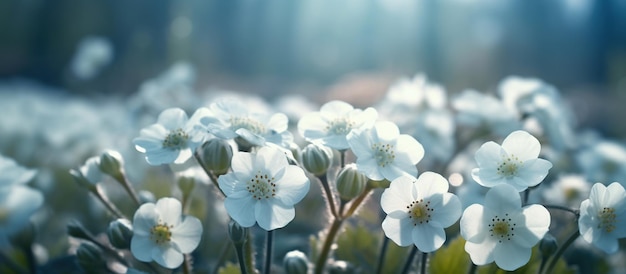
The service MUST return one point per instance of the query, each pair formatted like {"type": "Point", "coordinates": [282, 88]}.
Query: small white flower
{"type": "Point", "coordinates": [568, 190]}
{"type": "Point", "coordinates": [253, 127]}
{"type": "Point", "coordinates": [418, 210]}
{"type": "Point", "coordinates": [172, 139]}
{"type": "Point", "coordinates": [603, 216]}
{"type": "Point", "coordinates": [383, 153]}
{"type": "Point", "coordinates": [514, 163]}
{"type": "Point", "coordinates": [162, 234]}
{"type": "Point", "coordinates": [333, 122]}
{"type": "Point", "coordinates": [502, 230]}
{"type": "Point", "coordinates": [263, 188]}
{"type": "Point", "coordinates": [91, 170]}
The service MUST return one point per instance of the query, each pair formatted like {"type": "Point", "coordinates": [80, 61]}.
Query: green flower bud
{"type": "Point", "coordinates": [186, 185]}
{"type": "Point", "coordinates": [90, 258]}
{"type": "Point", "coordinates": [296, 152]}
{"type": "Point", "coordinates": [317, 158]}
{"type": "Point", "coordinates": [547, 245]}
{"type": "Point", "coordinates": [76, 230]}
{"type": "Point", "coordinates": [237, 233]}
{"type": "Point", "coordinates": [296, 262]}
{"type": "Point", "coordinates": [216, 155]}
{"type": "Point", "coordinates": [350, 182]}
{"type": "Point", "coordinates": [120, 232]}
{"type": "Point", "coordinates": [111, 163]}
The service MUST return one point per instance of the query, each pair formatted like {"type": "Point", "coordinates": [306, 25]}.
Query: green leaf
{"type": "Point", "coordinates": [451, 258]}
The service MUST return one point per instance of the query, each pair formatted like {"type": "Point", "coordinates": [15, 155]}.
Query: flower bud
{"type": "Point", "coordinates": [90, 258]}
{"type": "Point", "coordinates": [296, 152]}
{"type": "Point", "coordinates": [146, 197]}
{"type": "Point", "coordinates": [296, 262]}
{"type": "Point", "coordinates": [317, 158]}
{"type": "Point", "coordinates": [237, 233]}
{"type": "Point", "coordinates": [111, 163]}
{"type": "Point", "coordinates": [216, 155]}
{"type": "Point", "coordinates": [76, 230]}
{"type": "Point", "coordinates": [186, 185]}
{"type": "Point", "coordinates": [120, 232]}
{"type": "Point", "coordinates": [350, 182]}
{"type": "Point", "coordinates": [547, 246]}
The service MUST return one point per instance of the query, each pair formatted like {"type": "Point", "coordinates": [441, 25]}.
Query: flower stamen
{"type": "Point", "coordinates": [248, 123]}
{"type": "Point", "coordinates": [420, 211]}
{"type": "Point", "coordinates": [176, 139]}
{"type": "Point", "coordinates": [509, 166]}
{"type": "Point", "coordinates": [161, 233]}
{"type": "Point", "coordinates": [607, 219]}
{"type": "Point", "coordinates": [340, 126]}
{"type": "Point", "coordinates": [502, 228]}
{"type": "Point", "coordinates": [261, 186]}
{"type": "Point", "coordinates": [384, 154]}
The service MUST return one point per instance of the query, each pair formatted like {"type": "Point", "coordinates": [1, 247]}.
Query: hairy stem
{"type": "Point", "coordinates": [328, 242]}
{"type": "Point", "coordinates": [208, 173]}
{"type": "Point", "coordinates": [329, 195]}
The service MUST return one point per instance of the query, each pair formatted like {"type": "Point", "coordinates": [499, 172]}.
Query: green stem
{"type": "Point", "coordinates": [409, 260]}
{"type": "Point", "coordinates": [249, 253]}
{"type": "Point", "coordinates": [357, 202]}
{"type": "Point", "coordinates": [472, 269]}
{"type": "Point", "coordinates": [328, 242]}
{"type": "Point", "coordinates": [570, 210]}
{"type": "Point", "coordinates": [109, 250]}
{"type": "Point", "coordinates": [99, 193]}
{"type": "Point", "coordinates": [342, 154]}
{"type": "Point", "coordinates": [241, 258]}
{"type": "Point", "coordinates": [268, 251]}
{"type": "Point", "coordinates": [424, 263]}
{"type": "Point", "coordinates": [526, 196]}
{"type": "Point", "coordinates": [129, 188]}
{"type": "Point", "coordinates": [329, 195]}
{"type": "Point", "coordinates": [381, 256]}
{"type": "Point", "coordinates": [187, 268]}
{"type": "Point", "coordinates": [561, 250]}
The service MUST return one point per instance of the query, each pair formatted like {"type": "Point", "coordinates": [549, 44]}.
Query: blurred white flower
{"type": "Point", "coordinates": [91, 170]}
{"type": "Point", "coordinates": [603, 216]}
{"type": "Point", "coordinates": [248, 125]}
{"type": "Point", "coordinates": [92, 55]}
{"type": "Point", "coordinates": [502, 230]}
{"type": "Point", "coordinates": [263, 188]}
{"type": "Point", "coordinates": [479, 110]}
{"type": "Point", "coordinates": [603, 161]}
{"type": "Point", "coordinates": [567, 190]}
{"type": "Point", "coordinates": [514, 163]}
{"type": "Point", "coordinates": [173, 139]}
{"type": "Point", "coordinates": [162, 234]}
{"type": "Point", "coordinates": [383, 153]}
{"type": "Point", "coordinates": [418, 210]}
{"type": "Point", "coordinates": [12, 173]}
{"type": "Point", "coordinates": [333, 122]}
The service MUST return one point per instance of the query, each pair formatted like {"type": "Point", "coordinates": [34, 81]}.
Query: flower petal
{"type": "Point", "coordinates": [521, 144]}
{"type": "Point", "coordinates": [144, 219]}
{"type": "Point", "coordinates": [141, 247]}
{"type": "Point", "coordinates": [430, 183]}
{"type": "Point", "coordinates": [428, 238]}
{"type": "Point", "coordinates": [489, 154]}
{"type": "Point", "coordinates": [243, 162]}
{"type": "Point", "coordinates": [533, 171]}
{"type": "Point", "coordinates": [509, 256]}
{"type": "Point", "coordinates": [534, 225]}
{"type": "Point", "coordinates": [278, 122]}
{"type": "Point", "coordinates": [503, 198]}
{"type": "Point", "coordinates": [293, 186]}
{"type": "Point", "coordinates": [169, 210]}
{"type": "Point", "coordinates": [173, 118]}
{"type": "Point", "coordinates": [481, 253]}
{"type": "Point", "coordinates": [273, 159]}
{"type": "Point", "coordinates": [398, 230]}
{"type": "Point", "coordinates": [186, 235]}
{"type": "Point", "coordinates": [271, 216]}
{"type": "Point", "coordinates": [399, 195]}
{"type": "Point", "coordinates": [167, 256]}
{"type": "Point", "coordinates": [447, 211]}
{"type": "Point", "coordinates": [408, 150]}
{"type": "Point", "coordinates": [473, 226]}
{"type": "Point", "coordinates": [241, 210]}
{"type": "Point", "coordinates": [386, 132]}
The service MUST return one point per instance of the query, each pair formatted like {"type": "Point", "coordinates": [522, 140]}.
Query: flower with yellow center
{"type": "Point", "coordinates": [162, 234]}
{"type": "Point", "coordinates": [418, 210]}
{"type": "Point", "coordinates": [383, 153]}
{"type": "Point", "coordinates": [502, 230]}
{"type": "Point", "coordinates": [263, 188]}
{"type": "Point", "coordinates": [515, 163]}
{"type": "Point", "coordinates": [603, 216]}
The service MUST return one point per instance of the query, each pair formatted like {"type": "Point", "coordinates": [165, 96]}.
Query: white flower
{"type": "Point", "coordinates": [502, 230]}
{"type": "Point", "coordinates": [12, 173]}
{"type": "Point", "coordinates": [383, 153]}
{"type": "Point", "coordinates": [92, 55]}
{"type": "Point", "coordinates": [263, 188]}
{"type": "Point", "coordinates": [476, 109]}
{"type": "Point", "coordinates": [91, 170]}
{"type": "Point", "coordinates": [603, 161]}
{"type": "Point", "coordinates": [172, 139]}
{"type": "Point", "coordinates": [162, 234]}
{"type": "Point", "coordinates": [568, 190]}
{"type": "Point", "coordinates": [254, 127]}
{"type": "Point", "coordinates": [514, 163]}
{"type": "Point", "coordinates": [333, 122]}
{"type": "Point", "coordinates": [418, 210]}
{"type": "Point", "coordinates": [603, 216]}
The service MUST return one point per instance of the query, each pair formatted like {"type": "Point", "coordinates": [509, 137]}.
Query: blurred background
{"type": "Point", "coordinates": [321, 47]}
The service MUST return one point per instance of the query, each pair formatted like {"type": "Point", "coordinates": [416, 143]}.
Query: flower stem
{"type": "Point", "coordinates": [561, 250]}
{"type": "Point", "coordinates": [424, 263]}
{"type": "Point", "coordinates": [342, 154]}
{"type": "Point", "coordinates": [249, 253]}
{"type": "Point", "coordinates": [526, 196]}
{"type": "Point", "coordinates": [99, 193]}
{"type": "Point", "coordinates": [128, 187]}
{"type": "Point", "coordinates": [187, 268]}
{"type": "Point", "coordinates": [409, 260]}
{"type": "Point", "coordinates": [472, 269]}
{"type": "Point", "coordinates": [573, 211]}
{"type": "Point", "coordinates": [241, 258]}
{"type": "Point", "coordinates": [328, 242]}
{"type": "Point", "coordinates": [381, 256]}
{"type": "Point", "coordinates": [224, 251]}
{"type": "Point", "coordinates": [329, 195]}
{"type": "Point", "coordinates": [268, 251]}
{"type": "Point", "coordinates": [357, 202]}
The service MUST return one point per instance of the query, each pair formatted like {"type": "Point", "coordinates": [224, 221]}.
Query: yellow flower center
{"type": "Point", "coordinates": [248, 123]}
{"type": "Point", "coordinates": [384, 154]}
{"type": "Point", "coordinates": [261, 186]}
{"type": "Point", "coordinates": [420, 211]}
{"type": "Point", "coordinates": [502, 228]}
{"type": "Point", "coordinates": [161, 233]}
{"type": "Point", "coordinates": [607, 219]}
{"type": "Point", "coordinates": [509, 166]}
{"type": "Point", "coordinates": [176, 139]}
{"type": "Point", "coordinates": [340, 126]}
